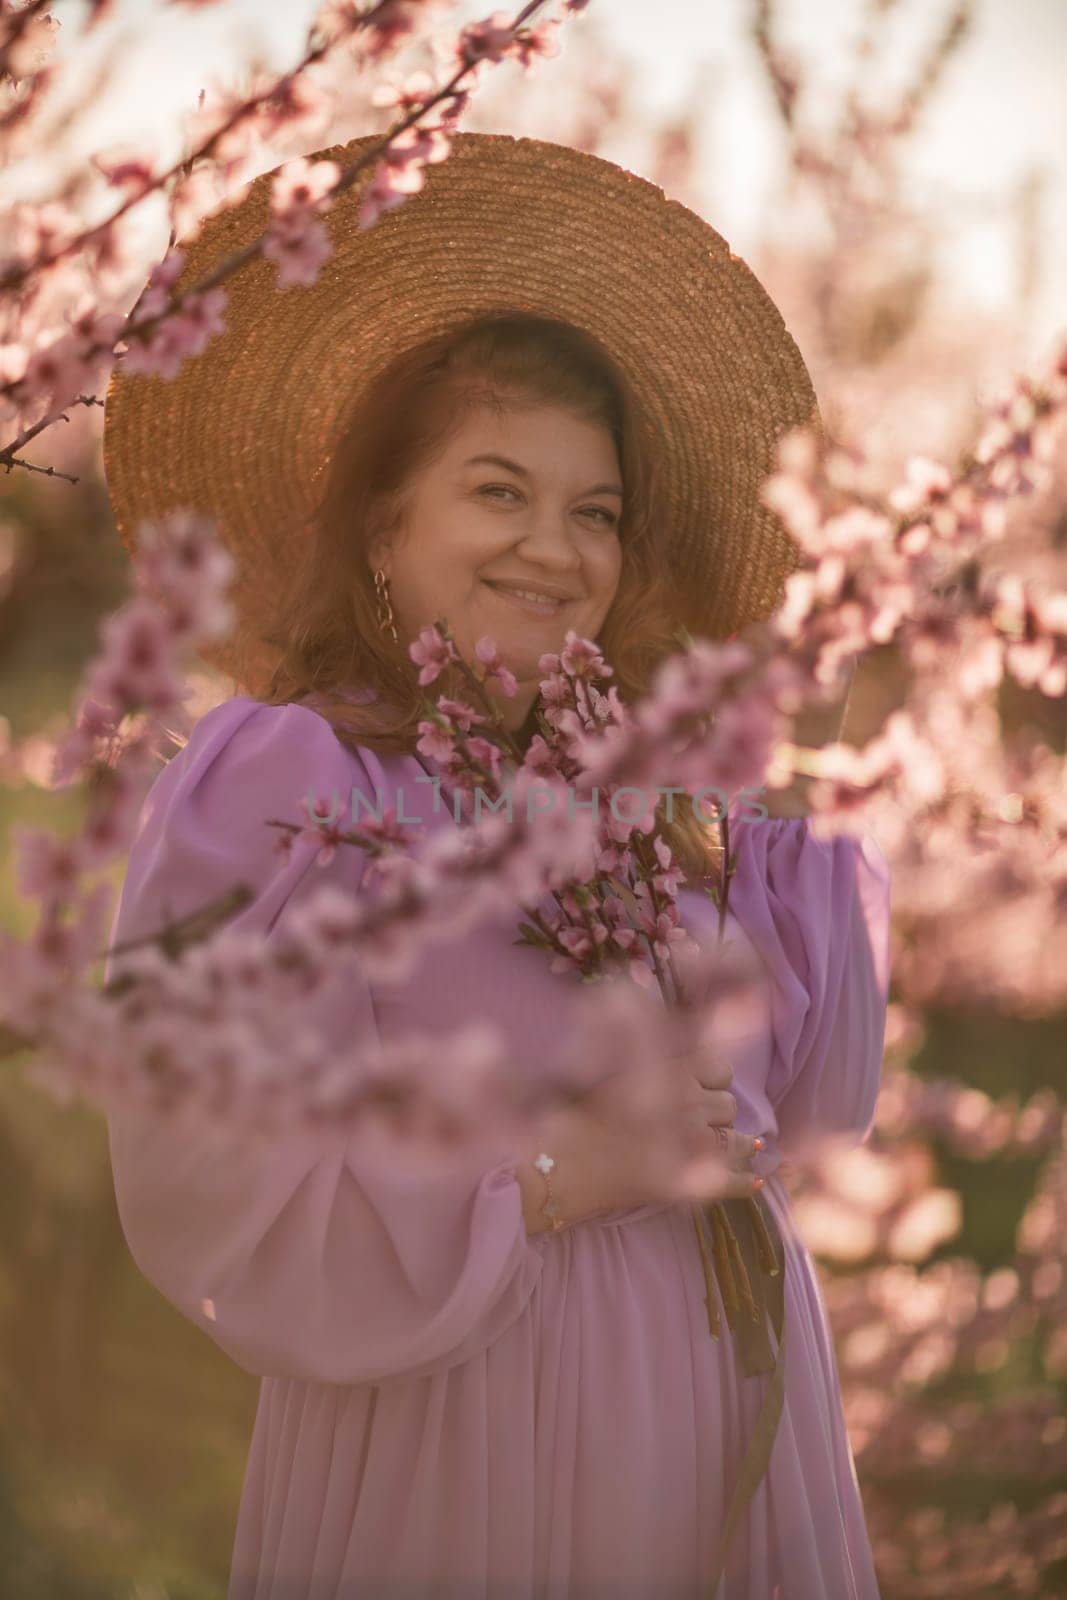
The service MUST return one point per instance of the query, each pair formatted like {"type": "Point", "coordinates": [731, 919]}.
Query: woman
{"type": "Point", "coordinates": [537, 376]}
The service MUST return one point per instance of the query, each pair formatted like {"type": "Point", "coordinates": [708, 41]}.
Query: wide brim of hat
{"type": "Point", "coordinates": [244, 433]}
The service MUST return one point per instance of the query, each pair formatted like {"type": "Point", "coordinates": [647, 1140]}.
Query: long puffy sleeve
{"type": "Point", "coordinates": [817, 912]}
{"type": "Point", "coordinates": [306, 1255]}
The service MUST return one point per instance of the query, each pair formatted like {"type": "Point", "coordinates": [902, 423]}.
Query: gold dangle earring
{"type": "Point", "coordinates": [385, 610]}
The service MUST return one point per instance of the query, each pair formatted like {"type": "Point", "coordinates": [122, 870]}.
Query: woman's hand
{"type": "Point", "coordinates": [718, 1157]}
{"type": "Point", "coordinates": [604, 1165]}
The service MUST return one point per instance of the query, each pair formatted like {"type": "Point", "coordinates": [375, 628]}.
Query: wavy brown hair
{"type": "Point", "coordinates": [327, 628]}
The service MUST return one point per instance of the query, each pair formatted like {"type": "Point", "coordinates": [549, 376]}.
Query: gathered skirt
{"type": "Point", "coordinates": [588, 1454]}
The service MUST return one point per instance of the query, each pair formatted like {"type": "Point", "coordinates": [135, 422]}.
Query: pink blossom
{"type": "Point", "coordinates": [926, 481]}
{"type": "Point", "coordinates": [459, 712]}
{"type": "Point", "coordinates": [161, 281]}
{"type": "Point", "coordinates": [554, 689]}
{"type": "Point", "coordinates": [184, 566]}
{"type": "Point", "coordinates": [47, 868]}
{"type": "Point", "coordinates": [538, 757]}
{"type": "Point", "coordinates": [432, 653]}
{"type": "Point", "coordinates": [66, 947]}
{"type": "Point", "coordinates": [323, 827]}
{"type": "Point", "coordinates": [689, 683]}
{"type": "Point", "coordinates": [114, 805]}
{"type": "Point", "coordinates": [665, 931]}
{"type": "Point", "coordinates": [638, 969]}
{"type": "Point", "coordinates": [583, 658]}
{"type": "Point", "coordinates": [1035, 630]}
{"type": "Point", "coordinates": [387, 25]}
{"type": "Point", "coordinates": [339, 19]}
{"type": "Point", "coordinates": [55, 374]}
{"type": "Point", "coordinates": [400, 170]}
{"type": "Point", "coordinates": [613, 857]}
{"type": "Point", "coordinates": [389, 831]}
{"type": "Point", "coordinates": [1035, 665]}
{"type": "Point", "coordinates": [126, 167]}
{"type": "Point", "coordinates": [736, 753]}
{"type": "Point", "coordinates": [96, 331]}
{"type": "Point", "coordinates": [186, 332]}
{"type": "Point", "coordinates": [630, 810]}
{"type": "Point", "coordinates": [414, 91]}
{"type": "Point", "coordinates": [668, 880]}
{"type": "Point", "coordinates": [299, 244]}
{"type": "Point", "coordinates": [27, 53]}
{"type": "Point", "coordinates": [31, 985]}
{"type": "Point", "coordinates": [854, 529]}
{"type": "Point", "coordinates": [798, 604]}
{"type": "Point", "coordinates": [487, 653]}
{"type": "Point", "coordinates": [799, 509]}
{"type": "Point", "coordinates": [200, 319]}
{"type": "Point", "coordinates": [437, 742]}
{"type": "Point", "coordinates": [383, 193]}
{"type": "Point", "coordinates": [303, 185]}
{"type": "Point", "coordinates": [487, 755]}
{"type": "Point", "coordinates": [378, 29]}
{"type": "Point", "coordinates": [539, 41]}
{"type": "Point", "coordinates": [979, 665]}
{"type": "Point", "coordinates": [490, 40]}
{"type": "Point", "coordinates": [94, 721]}
{"type": "Point", "coordinates": [136, 667]}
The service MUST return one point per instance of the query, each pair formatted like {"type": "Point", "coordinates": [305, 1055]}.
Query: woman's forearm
{"type": "Point", "coordinates": [533, 1197]}
{"type": "Point", "coordinates": [573, 1177]}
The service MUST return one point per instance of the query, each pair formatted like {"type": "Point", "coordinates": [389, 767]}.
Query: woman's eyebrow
{"type": "Point", "coordinates": [521, 472]}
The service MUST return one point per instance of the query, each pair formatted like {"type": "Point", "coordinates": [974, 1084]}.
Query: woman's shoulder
{"type": "Point", "coordinates": [232, 807]}
{"type": "Point", "coordinates": [246, 759]}
{"type": "Point", "coordinates": [244, 729]}
{"type": "Point", "coordinates": [241, 715]}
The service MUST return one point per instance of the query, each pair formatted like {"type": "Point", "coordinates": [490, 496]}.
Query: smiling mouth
{"type": "Point", "coordinates": [541, 605]}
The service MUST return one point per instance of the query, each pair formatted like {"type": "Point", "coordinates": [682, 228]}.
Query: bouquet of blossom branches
{"type": "Point", "coordinates": [623, 916]}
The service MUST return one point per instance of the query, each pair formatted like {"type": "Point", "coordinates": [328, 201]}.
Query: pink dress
{"type": "Point", "coordinates": [448, 1406]}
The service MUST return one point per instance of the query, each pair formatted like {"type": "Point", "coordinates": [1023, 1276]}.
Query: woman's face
{"type": "Point", "coordinates": [544, 516]}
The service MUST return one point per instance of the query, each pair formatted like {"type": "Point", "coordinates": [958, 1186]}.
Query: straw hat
{"type": "Point", "coordinates": [245, 432]}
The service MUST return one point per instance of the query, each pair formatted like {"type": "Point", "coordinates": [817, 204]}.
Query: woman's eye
{"type": "Point", "coordinates": [607, 518]}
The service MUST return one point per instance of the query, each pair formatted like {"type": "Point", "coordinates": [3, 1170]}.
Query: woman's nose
{"type": "Point", "coordinates": [549, 538]}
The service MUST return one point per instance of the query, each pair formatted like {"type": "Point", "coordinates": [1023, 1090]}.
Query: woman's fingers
{"type": "Point", "coordinates": [719, 1160]}
{"type": "Point", "coordinates": [732, 1147]}
{"type": "Point", "coordinates": [711, 1072]}
{"type": "Point", "coordinates": [741, 1185]}
{"type": "Point", "coordinates": [704, 1133]}
{"type": "Point", "coordinates": [707, 1177]}
{"type": "Point", "coordinates": [712, 1105]}
{"type": "Point", "coordinates": [737, 1147]}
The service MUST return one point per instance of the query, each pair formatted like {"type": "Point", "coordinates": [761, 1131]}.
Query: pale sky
{"type": "Point", "coordinates": [1001, 111]}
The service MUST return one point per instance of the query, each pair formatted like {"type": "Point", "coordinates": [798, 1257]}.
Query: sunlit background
{"type": "Point", "coordinates": [994, 141]}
